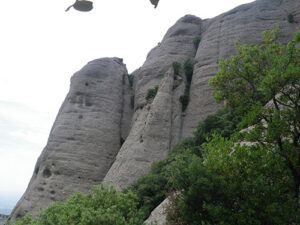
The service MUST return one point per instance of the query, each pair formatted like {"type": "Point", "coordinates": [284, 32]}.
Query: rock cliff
{"type": "Point", "coordinates": [86, 146]}
{"type": "Point", "coordinates": [85, 137]}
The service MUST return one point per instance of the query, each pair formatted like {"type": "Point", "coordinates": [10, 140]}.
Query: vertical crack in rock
{"type": "Point", "coordinates": [127, 111]}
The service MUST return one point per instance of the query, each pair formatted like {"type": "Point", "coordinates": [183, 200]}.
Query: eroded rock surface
{"type": "Point", "coordinates": [158, 216]}
{"type": "Point", "coordinates": [85, 137]}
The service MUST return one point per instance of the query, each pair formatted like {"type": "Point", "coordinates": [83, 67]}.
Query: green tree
{"type": "Point", "coordinates": [262, 83]}
{"type": "Point", "coordinates": [252, 177]}
{"type": "Point", "coordinates": [176, 67]}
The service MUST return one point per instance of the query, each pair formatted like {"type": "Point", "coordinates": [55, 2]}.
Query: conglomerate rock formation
{"type": "Point", "coordinates": [86, 145]}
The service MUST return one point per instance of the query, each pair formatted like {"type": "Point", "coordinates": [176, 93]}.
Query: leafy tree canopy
{"type": "Point", "coordinates": [260, 74]}
{"type": "Point", "coordinates": [103, 205]}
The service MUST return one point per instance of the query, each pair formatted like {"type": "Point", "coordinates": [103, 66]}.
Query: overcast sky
{"type": "Point", "coordinates": [41, 46]}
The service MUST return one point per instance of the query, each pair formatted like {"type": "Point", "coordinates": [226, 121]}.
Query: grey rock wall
{"type": "Point", "coordinates": [157, 216]}
{"type": "Point", "coordinates": [85, 137]}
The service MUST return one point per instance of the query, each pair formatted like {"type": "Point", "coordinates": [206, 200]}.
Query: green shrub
{"type": "Point", "coordinates": [243, 186]}
{"type": "Point", "coordinates": [176, 67]}
{"type": "Point", "coordinates": [151, 188]}
{"type": "Point", "coordinates": [102, 205]}
{"type": "Point", "coordinates": [224, 123]}
{"type": "Point", "coordinates": [151, 93]}
{"type": "Point", "coordinates": [188, 70]}
{"type": "Point", "coordinates": [291, 18]}
{"type": "Point", "coordinates": [184, 99]}
{"type": "Point", "coordinates": [196, 41]}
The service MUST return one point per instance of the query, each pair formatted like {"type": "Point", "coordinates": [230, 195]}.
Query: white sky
{"type": "Point", "coordinates": [41, 46]}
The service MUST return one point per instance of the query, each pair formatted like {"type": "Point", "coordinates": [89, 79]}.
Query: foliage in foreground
{"type": "Point", "coordinates": [103, 205]}
{"type": "Point", "coordinates": [232, 182]}
{"type": "Point", "coordinates": [267, 73]}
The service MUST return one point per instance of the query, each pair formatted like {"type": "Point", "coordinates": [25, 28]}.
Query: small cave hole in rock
{"type": "Point", "coordinates": [80, 117]}
{"type": "Point", "coordinates": [88, 103]}
{"type": "Point", "coordinates": [86, 84]}
{"type": "Point", "coordinates": [40, 189]}
{"type": "Point", "coordinates": [47, 173]}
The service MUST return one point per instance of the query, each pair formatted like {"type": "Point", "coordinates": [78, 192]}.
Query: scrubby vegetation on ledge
{"type": "Point", "coordinates": [196, 41]}
{"type": "Point", "coordinates": [176, 67]}
{"type": "Point", "coordinates": [224, 174]}
{"type": "Point", "coordinates": [188, 71]}
{"type": "Point", "coordinates": [151, 93]}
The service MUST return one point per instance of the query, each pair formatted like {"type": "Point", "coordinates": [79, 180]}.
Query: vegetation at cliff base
{"type": "Point", "coordinates": [102, 205]}
{"type": "Point", "coordinates": [253, 175]}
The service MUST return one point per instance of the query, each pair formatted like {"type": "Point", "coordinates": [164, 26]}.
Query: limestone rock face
{"type": "Point", "coordinates": [158, 214]}
{"type": "Point", "coordinates": [85, 137]}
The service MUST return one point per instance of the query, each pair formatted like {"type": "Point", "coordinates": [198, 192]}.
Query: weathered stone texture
{"type": "Point", "coordinates": [158, 216]}
{"type": "Point", "coordinates": [85, 137]}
